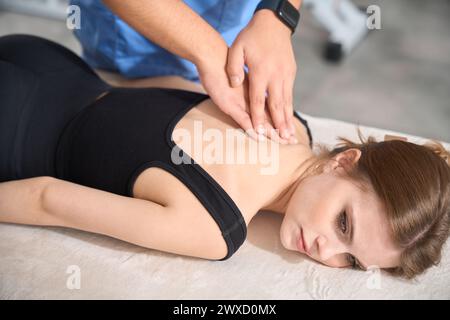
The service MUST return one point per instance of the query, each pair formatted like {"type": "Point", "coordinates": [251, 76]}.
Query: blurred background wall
{"type": "Point", "coordinates": [397, 78]}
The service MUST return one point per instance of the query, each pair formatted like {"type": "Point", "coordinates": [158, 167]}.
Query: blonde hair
{"type": "Point", "coordinates": [413, 183]}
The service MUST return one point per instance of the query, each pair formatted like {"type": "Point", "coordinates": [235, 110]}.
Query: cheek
{"type": "Point", "coordinates": [302, 204]}
{"type": "Point", "coordinates": [315, 215]}
{"type": "Point", "coordinates": [313, 207]}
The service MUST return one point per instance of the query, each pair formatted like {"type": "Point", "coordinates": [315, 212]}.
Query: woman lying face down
{"type": "Point", "coordinates": [376, 204]}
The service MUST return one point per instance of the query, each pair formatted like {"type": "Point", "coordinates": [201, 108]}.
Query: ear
{"type": "Point", "coordinates": [344, 159]}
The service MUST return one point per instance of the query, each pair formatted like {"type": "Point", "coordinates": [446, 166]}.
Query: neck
{"type": "Point", "coordinates": [280, 201]}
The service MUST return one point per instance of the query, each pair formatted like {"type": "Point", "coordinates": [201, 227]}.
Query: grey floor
{"type": "Point", "coordinates": [398, 78]}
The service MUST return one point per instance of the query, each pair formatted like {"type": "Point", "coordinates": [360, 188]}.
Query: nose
{"type": "Point", "coordinates": [327, 249]}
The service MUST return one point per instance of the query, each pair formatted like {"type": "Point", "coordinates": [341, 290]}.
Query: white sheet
{"type": "Point", "coordinates": [34, 262]}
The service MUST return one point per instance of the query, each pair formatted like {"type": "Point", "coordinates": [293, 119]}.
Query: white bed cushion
{"type": "Point", "coordinates": [35, 261]}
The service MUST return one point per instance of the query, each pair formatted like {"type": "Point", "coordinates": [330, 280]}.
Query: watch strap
{"type": "Point", "coordinates": [268, 4]}
{"type": "Point", "coordinates": [275, 6]}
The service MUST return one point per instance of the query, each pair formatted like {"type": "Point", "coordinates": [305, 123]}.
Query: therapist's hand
{"type": "Point", "coordinates": [232, 101]}
{"type": "Point", "coordinates": [264, 45]}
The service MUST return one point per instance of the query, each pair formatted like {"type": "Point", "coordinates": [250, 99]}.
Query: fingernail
{"type": "Point", "coordinates": [260, 129]}
{"type": "Point", "coordinates": [252, 134]}
{"type": "Point", "coordinates": [235, 80]}
{"type": "Point", "coordinates": [294, 140]}
{"type": "Point", "coordinates": [261, 137]}
{"type": "Point", "coordinates": [286, 134]}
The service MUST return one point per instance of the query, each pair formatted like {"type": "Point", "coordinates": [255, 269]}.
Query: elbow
{"type": "Point", "coordinates": [43, 199]}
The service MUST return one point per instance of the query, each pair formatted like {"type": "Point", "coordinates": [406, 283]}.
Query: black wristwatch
{"type": "Point", "coordinates": [283, 9]}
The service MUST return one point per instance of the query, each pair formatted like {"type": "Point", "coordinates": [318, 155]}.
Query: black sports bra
{"type": "Point", "coordinates": [108, 144]}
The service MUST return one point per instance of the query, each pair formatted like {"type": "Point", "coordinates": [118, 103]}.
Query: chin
{"type": "Point", "coordinates": [283, 239]}
{"type": "Point", "coordinates": [287, 240]}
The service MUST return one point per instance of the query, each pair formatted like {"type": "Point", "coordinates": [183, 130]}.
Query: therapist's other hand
{"type": "Point", "coordinates": [265, 46]}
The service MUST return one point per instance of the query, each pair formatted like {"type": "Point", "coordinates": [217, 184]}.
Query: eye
{"type": "Point", "coordinates": [342, 222]}
{"type": "Point", "coordinates": [352, 261]}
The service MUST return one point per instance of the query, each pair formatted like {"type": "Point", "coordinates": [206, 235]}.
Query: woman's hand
{"type": "Point", "coordinates": [265, 47]}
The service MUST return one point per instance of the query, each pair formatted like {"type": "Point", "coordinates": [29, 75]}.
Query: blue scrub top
{"type": "Point", "coordinates": [109, 43]}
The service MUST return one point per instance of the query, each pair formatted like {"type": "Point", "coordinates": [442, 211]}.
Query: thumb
{"type": "Point", "coordinates": [235, 65]}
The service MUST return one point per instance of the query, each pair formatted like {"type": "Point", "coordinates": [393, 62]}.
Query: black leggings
{"type": "Point", "coordinates": [48, 84]}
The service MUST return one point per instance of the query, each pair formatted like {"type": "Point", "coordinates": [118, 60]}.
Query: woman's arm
{"type": "Point", "coordinates": [21, 201]}
{"type": "Point", "coordinates": [54, 202]}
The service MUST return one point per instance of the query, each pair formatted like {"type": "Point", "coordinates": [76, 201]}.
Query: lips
{"type": "Point", "coordinates": [301, 246]}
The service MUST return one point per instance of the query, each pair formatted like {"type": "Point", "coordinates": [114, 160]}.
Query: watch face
{"type": "Point", "coordinates": [289, 13]}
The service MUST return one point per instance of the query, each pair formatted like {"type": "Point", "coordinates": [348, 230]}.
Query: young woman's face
{"type": "Point", "coordinates": [341, 225]}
